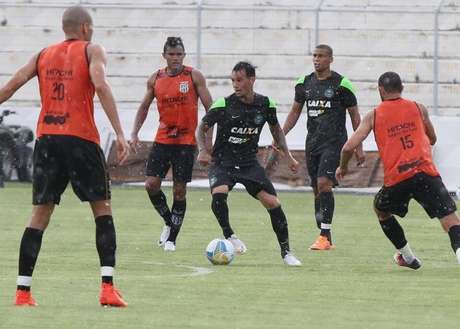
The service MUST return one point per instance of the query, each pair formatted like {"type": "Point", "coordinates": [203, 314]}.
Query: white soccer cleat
{"type": "Point", "coordinates": [291, 260]}
{"type": "Point", "coordinates": [169, 246]}
{"type": "Point", "coordinates": [164, 235]}
{"type": "Point", "coordinates": [238, 246]}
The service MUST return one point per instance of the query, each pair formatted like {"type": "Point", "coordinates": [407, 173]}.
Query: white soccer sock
{"type": "Point", "coordinates": [24, 281]}
{"type": "Point", "coordinates": [458, 255]}
{"type": "Point", "coordinates": [107, 271]}
{"type": "Point", "coordinates": [407, 253]}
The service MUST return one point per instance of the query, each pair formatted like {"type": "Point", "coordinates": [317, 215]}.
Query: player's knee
{"type": "Point", "coordinates": [270, 201]}
{"type": "Point", "coordinates": [381, 215]}
{"type": "Point", "coordinates": [179, 191]}
{"type": "Point", "coordinates": [324, 185]}
{"type": "Point", "coordinates": [152, 186]}
{"type": "Point", "coordinates": [450, 220]}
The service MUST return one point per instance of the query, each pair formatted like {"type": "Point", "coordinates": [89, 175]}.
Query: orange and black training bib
{"type": "Point", "coordinates": [177, 103]}
{"type": "Point", "coordinates": [66, 91]}
{"type": "Point", "coordinates": [403, 144]}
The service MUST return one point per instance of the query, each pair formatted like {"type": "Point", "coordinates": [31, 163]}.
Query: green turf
{"type": "Point", "coordinates": [354, 286]}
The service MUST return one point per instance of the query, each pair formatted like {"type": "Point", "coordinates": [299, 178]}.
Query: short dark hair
{"type": "Point", "coordinates": [247, 67]}
{"type": "Point", "coordinates": [173, 42]}
{"type": "Point", "coordinates": [391, 82]}
{"type": "Point", "coordinates": [327, 48]}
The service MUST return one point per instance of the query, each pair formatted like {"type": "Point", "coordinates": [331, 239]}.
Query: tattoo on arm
{"type": "Point", "coordinates": [279, 137]}
{"type": "Point", "coordinates": [201, 135]}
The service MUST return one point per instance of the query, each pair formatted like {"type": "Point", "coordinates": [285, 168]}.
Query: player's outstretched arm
{"type": "Point", "coordinates": [24, 74]}
{"type": "Point", "coordinates": [142, 111]}
{"type": "Point", "coordinates": [204, 157]}
{"type": "Point", "coordinates": [280, 139]}
{"type": "Point", "coordinates": [206, 99]}
{"type": "Point", "coordinates": [429, 129]}
{"type": "Point", "coordinates": [353, 142]}
{"type": "Point", "coordinates": [355, 122]}
{"type": "Point", "coordinates": [97, 63]}
{"type": "Point", "coordinates": [292, 117]}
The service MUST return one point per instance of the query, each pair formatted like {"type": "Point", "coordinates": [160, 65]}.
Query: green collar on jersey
{"type": "Point", "coordinates": [301, 80]}
{"type": "Point", "coordinates": [347, 84]}
{"type": "Point", "coordinates": [218, 104]}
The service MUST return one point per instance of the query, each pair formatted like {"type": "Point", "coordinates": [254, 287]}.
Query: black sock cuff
{"type": "Point", "coordinates": [104, 220]}
{"type": "Point", "coordinates": [454, 230]}
{"type": "Point", "coordinates": [325, 194]}
{"type": "Point", "coordinates": [454, 235]}
{"type": "Point", "coordinates": [220, 196]}
{"type": "Point", "coordinates": [33, 231]}
{"type": "Point", "coordinates": [179, 203]}
{"type": "Point", "coordinates": [277, 212]}
{"type": "Point", "coordinates": [156, 197]}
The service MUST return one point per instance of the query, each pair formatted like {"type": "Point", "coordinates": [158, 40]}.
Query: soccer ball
{"type": "Point", "coordinates": [220, 252]}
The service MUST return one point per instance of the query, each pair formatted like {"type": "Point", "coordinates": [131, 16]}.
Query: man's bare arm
{"type": "Point", "coordinates": [19, 78]}
{"type": "Point", "coordinates": [429, 129]}
{"type": "Point", "coordinates": [143, 109]}
{"type": "Point", "coordinates": [292, 117]}
{"type": "Point", "coordinates": [97, 63]}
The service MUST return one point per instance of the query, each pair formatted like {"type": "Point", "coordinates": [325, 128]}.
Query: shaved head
{"type": "Point", "coordinates": [74, 17]}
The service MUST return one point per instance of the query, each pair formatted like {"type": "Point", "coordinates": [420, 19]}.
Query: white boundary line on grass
{"type": "Point", "coordinates": [196, 270]}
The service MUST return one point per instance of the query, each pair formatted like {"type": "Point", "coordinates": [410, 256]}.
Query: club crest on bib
{"type": "Point", "coordinates": [183, 87]}
{"type": "Point", "coordinates": [329, 93]}
{"type": "Point", "coordinates": [258, 119]}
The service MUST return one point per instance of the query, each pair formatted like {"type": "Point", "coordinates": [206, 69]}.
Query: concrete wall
{"type": "Point", "coordinates": [278, 36]}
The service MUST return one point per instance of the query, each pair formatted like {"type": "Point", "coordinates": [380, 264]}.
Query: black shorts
{"type": "Point", "coordinates": [428, 191]}
{"type": "Point", "coordinates": [59, 159]}
{"type": "Point", "coordinates": [323, 164]}
{"type": "Point", "coordinates": [180, 157]}
{"type": "Point", "coordinates": [252, 177]}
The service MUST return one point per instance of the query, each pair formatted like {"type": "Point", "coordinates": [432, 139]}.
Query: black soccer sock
{"type": "Point", "coordinates": [106, 243]}
{"type": "Point", "coordinates": [161, 206]}
{"type": "Point", "coordinates": [454, 235]}
{"type": "Point", "coordinates": [177, 218]}
{"type": "Point", "coordinates": [394, 232]}
{"type": "Point", "coordinates": [318, 215]}
{"type": "Point", "coordinates": [280, 226]}
{"type": "Point", "coordinates": [220, 209]}
{"type": "Point", "coordinates": [28, 253]}
{"type": "Point", "coordinates": [327, 204]}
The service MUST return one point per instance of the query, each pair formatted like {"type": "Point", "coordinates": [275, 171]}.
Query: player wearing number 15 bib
{"type": "Point", "coordinates": [404, 135]}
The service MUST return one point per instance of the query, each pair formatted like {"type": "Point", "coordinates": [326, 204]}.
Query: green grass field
{"type": "Point", "coordinates": [354, 286]}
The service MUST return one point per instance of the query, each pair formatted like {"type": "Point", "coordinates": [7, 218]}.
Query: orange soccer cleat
{"type": "Point", "coordinates": [24, 298]}
{"type": "Point", "coordinates": [322, 243]}
{"type": "Point", "coordinates": [110, 296]}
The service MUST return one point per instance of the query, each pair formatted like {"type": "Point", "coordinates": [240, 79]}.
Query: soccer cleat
{"type": "Point", "coordinates": [111, 296]}
{"type": "Point", "coordinates": [169, 246]}
{"type": "Point", "coordinates": [322, 243]}
{"type": "Point", "coordinates": [238, 246]}
{"type": "Point", "coordinates": [164, 235]}
{"type": "Point", "coordinates": [291, 260]}
{"type": "Point", "coordinates": [399, 259]}
{"type": "Point", "coordinates": [24, 298]}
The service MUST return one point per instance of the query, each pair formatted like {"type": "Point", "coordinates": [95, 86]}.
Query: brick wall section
{"type": "Point", "coordinates": [371, 174]}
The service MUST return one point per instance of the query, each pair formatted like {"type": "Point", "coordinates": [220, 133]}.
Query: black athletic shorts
{"type": "Point", "coordinates": [59, 159]}
{"type": "Point", "coordinates": [180, 157]}
{"type": "Point", "coordinates": [428, 191]}
{"type": "Point", "coordinates": [323, 164]}
{"type": "Point", "coordinates": [253, 178]}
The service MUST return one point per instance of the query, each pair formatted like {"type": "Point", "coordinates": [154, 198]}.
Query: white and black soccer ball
{"type": "Point", "coordinates": [220, 252]}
